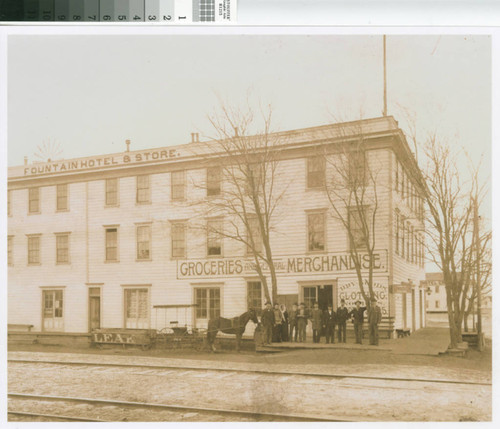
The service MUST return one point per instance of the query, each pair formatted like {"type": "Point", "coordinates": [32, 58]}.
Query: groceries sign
{"type": "Point", "coordinates": [284, 265]}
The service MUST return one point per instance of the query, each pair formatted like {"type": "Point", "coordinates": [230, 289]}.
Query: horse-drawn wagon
{"type": "Point", "coordinates": [176, 335]}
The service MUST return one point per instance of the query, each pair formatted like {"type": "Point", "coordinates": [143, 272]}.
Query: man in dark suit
{"type": "Point", "coordinates": [342, 316]}
{"type": "Point", "coordinates": [358, 317]}
{"type": "Point", "coordinates": [374, 318]}
{"type": "Point", "coordinates": [329, 320]}
{"type": "Point", "coordinates": [267, 319]}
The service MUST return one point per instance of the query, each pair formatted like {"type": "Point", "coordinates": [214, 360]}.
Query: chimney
{"type": "Point", "coordinates": [25, 160]}
{"type": "Point", "coordinates": [192, 137]}
{"type": "Point", "coordinates": [236, 131]}
{"type": "Point", "coordinates": [127, 142]}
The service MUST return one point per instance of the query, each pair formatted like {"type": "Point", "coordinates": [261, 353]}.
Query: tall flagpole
{"type": "Point", "coordinates": [385, 80]}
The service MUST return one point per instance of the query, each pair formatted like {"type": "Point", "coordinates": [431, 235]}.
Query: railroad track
{"type": "Point", "coordinates": [248, 371]}
{"type": "Point", "coordinates": [149, 407]}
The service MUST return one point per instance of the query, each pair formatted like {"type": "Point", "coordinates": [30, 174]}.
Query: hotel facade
{"type": "Point", "coordinates": [109, 241]}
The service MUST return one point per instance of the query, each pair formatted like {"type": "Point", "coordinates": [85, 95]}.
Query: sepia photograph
{"type": "Point", "coordinates": [248, 225]}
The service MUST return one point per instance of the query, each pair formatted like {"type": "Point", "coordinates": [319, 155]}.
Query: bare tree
{"type": "Point", "coordinates": [352, 187]}
{"type": "Point", "coordinates": [485, 267]}
{"type": "Point", "coordinates": [450, 236]}
{"type": "Point", "coordinates": [246, 163]}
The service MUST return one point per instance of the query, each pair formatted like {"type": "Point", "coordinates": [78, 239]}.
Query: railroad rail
{"type": "Point", "coordinates": [250, 371]}
{"type": "Point", "coordinates": [53, 417]}
{"type": "Point", "coordinates": [260, 416]}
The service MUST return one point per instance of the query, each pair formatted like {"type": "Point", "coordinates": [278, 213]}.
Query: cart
{"type": "Point", "coordinates": [174, 335]}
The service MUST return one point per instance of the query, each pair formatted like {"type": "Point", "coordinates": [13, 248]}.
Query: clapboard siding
{"type": "Point", "coordinates": [88, 217]}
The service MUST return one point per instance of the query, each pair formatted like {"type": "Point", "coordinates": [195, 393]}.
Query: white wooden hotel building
{"type": "Point", "coordinates": [100, 241]}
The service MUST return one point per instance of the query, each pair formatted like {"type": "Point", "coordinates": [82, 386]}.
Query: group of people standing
{"type": "Point", "coordinates": [279, 324]}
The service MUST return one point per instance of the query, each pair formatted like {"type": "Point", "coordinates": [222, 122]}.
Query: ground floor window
{"type": "Point", "coordinates": [136, 308]}
{"type": "Point", "coordinates": [207, 302]}
{"type": "Point", "coordinates": [254, 296]}
{"type": "Point", "coordinates": [52, 310]}
{"type": "Point", "coordinates": [310, 296]}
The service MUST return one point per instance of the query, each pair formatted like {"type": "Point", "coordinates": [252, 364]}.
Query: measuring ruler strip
{"type": "Point", "coordinates": [150, 11]}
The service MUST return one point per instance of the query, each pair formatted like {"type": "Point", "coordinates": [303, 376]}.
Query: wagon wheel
{"type": "Point", "coordinates": [163, 336]}
{"type": "Point", "coordinates": [200, 339]}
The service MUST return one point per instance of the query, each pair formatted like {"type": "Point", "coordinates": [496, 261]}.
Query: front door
{"type": "Point", "coordinates": [52, 311]}
{"type": "Point", "coordinates": [413, 312]}
{"type": "Point", "coordinates": [94, 308]}
{"type": "Point", "coordinates": [405, 320]}
{"type": "Point", "coordinates": [325, 296]}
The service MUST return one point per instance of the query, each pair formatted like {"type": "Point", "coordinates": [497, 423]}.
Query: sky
{"type": "Point", "coordinates": [88, 94]}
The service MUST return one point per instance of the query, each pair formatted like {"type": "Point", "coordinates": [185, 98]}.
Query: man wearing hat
{"type": "Point", "coordinates": [358, 317]}
{"type": "Point", "coordinates": [342, 316]}
{"type": "Point", "coordinates": [374, 318]}
{"type": "Point", "coordinates": [267, 319]}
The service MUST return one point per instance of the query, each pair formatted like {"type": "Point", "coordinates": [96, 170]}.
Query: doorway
{"type": "Point", "coordinates": [321, 293]}
{"type": "Point", "coordinates": [405, 317]}
{"type": "Point", "coordinates": [421, 301]}
{"type": "Point", "coordinates": [413, 312]}
{"type": "Point", "coordinates": [94, 308]}
{"type": "Point", "coordinates": [52, 312]}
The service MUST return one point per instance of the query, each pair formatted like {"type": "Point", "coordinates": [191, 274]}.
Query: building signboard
{"type": "Point", "coordinates": [401, 288]}
{"type": "Point", "coordinates": [348, 290]}
{"type": "Point", "coordinates": [329, 263]}
{"type": "Point", "coordinates": [126, 158]}
{"type": "Point", "coordinates": [122, 336]}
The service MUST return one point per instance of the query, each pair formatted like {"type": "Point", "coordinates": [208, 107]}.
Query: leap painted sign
{"type": "Point", "coordinates": [116, 338]}
{"type": "Point", "coordinates": [348, 290]}
{"type": "Point", "coordinates": [122, 336]}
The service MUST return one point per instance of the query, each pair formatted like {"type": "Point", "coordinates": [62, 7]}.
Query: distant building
{"type": "Point", "coordinates": [104, 241]}
{"type": "Point", "coordinates": [435, 293]}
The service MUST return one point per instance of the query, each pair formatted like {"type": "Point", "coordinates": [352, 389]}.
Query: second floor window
{"type": "Point", "coordinates": [144, 242]}
{"type": "Point", "coordinates": [254, 234]}
{"type": "Point", "coordinates": [178, 240]}
{"type": "Point", "coordinates": [10, 259]}
{"type": "Point", "coordinates": [62, 248]}
{"type": "Point", "coordinates": [316, 172]}
{"type": "Point", "coordinates": [397, 231]}
{"type": "Point", "coordinates": [403, 236]}
{"type": "Point", "coordinates": [408, 241]}
{"type": "Point", "coordinates": [34, 200]}
{"type": "Point", "coordinates": [143, 194]}
{"type": "Point", "coordinates": [62, 197]}
{"type": "Point", "coordinates": [178, 185]}
{"type": "Point", "coordinates": [111, 244]}
{"type": "Point", "coordinates": [214, 238]}
{"type": "Point", "coordinates": [316, 232]}
{"type": "Point", "coordinates": [34, 249]}
{"type": "Point", "coordinates": [213, 181]}
{"type": "Point", "coordinates": [357, 220]}
{"type": "Point", "coordinates": [357, 168]}
{"type": "Point", "coordinates": [397, 176]}
{"type": "Point", "coordinates": [112, 192]}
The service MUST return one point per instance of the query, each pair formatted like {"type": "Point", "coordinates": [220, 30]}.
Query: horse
{"type": "Point", "coordinates": [235, 326]}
